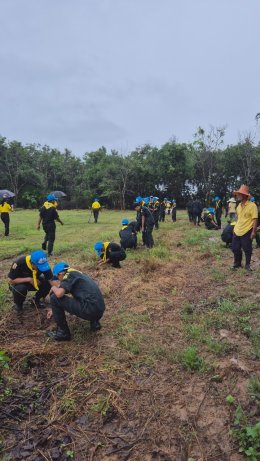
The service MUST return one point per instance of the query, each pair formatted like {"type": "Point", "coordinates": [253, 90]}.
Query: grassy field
{"type": "Point", "coordinates": [172, 375]}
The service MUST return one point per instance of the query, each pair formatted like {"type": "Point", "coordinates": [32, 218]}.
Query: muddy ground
{"type": "Point", "coordinates": [129, 392]}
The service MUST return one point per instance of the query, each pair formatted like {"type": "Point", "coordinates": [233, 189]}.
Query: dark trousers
{"type": "Point", "coordinates": [6, 220]}
{"type": "Point", "coordinates": [20, 291]}
{"type": "Point", "coordinates": [174, 214]}
{"type": "Point", "coordinates": [242, 243]}
{"type": "Point", "coordinates": [196, 218]}
{"type": "Point", "coordinates": [84, 311]}
{"type": "Point", "coordinates": [218, 217]}
{"type": "Point", "coordinates": [95, 213]}
{"type": "Point", "coordinates": [116, 256]}
{"type": "Point", "coordinates": [258, 238]}
{"type": "Point", "coordinates": [148, 236]}
{"type": "Point", "coordinates": [190, 216]}
{"type": "Point", "coordinates": [49, 238]}
{"type": "Point", "coordinates": [162, 216]}
{"type": "Point", "coordinates": [210, 226]}
{"type": "Point", "coordinates": [131, 242]}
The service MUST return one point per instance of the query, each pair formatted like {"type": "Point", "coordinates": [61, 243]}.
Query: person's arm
{"type": "Point", "coordinates": [58, 219]}
{"type": "Point", "coordinates": [58, 291]}
{"type": "Point", "coordinates": [39, 223]}
{"type": "Point", "coordinates": [143, 222]}
{"type": "Point", "coordinates": [253, 234]}
{"type": "Point", "coordinates": [20, 280]}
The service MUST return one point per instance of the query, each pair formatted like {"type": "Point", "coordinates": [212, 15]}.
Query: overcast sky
{"type": "Point", "coordinates": [121, 73]}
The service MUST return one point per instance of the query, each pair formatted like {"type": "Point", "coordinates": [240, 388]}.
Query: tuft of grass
{"type": "Point", "coordinates": [190, 359]}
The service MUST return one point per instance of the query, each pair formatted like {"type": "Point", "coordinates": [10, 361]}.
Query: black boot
{"type": "Point", "coordinates": [18, 308]}
{"type": "Point", "coordinates": [60, 335]}
{"type": "Point", "coordinates": [95, 325]}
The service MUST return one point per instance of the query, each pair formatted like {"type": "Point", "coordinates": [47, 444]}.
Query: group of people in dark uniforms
{"type": "Point", "coordinates": [33, 272]}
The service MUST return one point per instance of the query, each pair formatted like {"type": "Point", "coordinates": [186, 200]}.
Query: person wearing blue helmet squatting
{"type": "Point", "coordinates": [209, 220]}
{"type": "Point", "coordinates": [30, 273]}
{"type": "Point", "coordinates": [48, 216]}
{"type": "Point", "coordinates": [110, 253]}
{"type": "Point", "coordinates": [218, 210]}
{"type": "Point", "coordinates": [86, 300]}
{"type": "Point", "coordinates": [127, 234]}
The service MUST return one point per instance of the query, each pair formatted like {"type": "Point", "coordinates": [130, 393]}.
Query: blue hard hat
{"type": "Point", "coordinates": [252, 199]}
{"type": "Point", "coordinates": [211, 210]}
{"type": "Point", "coordinates": [216, 198]}
{"type": "Point", "coordinates": [146, 200]}
{"type": "Point", "coordinates": [98, 248]}
{"type": "Point", "coordinates": [59, 267]}
{"type": "Point", "coordinates": [138, 199]}
{"type": "Point", "coordinates": [125, 222]}
{"type": "Point", "coordinates": [96, 199]}
{"type": "Point", "coordinates": [51, 198]}
{"type": "Point", "coordinates": [39, 258]}
{"type": "Point", "coordinates": [174, 201]}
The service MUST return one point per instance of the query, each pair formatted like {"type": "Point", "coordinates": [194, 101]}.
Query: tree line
{"type": "Point", "coordinates": [203, 168]}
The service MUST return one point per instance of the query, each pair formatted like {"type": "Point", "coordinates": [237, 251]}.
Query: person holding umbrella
{"type": "Point", "coordinates": [5, 209]}
{"type": "Point", "coordinates": [48, 216]}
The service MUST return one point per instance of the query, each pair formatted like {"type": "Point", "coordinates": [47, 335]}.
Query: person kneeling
{"type": "Point", "coordinates": [86, 302]}
{"type": "Point", "coordinates": [227, 234]}
{"type": "Point", "coordinates": [128, 237]}
{"type": "Point", "coordinates": [209, 220]}
{"type": "Point", "coordinates": [110, 253]}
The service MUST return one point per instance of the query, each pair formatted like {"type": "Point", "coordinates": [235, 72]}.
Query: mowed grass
{"type": "Point", "coordinates": [75, 235]}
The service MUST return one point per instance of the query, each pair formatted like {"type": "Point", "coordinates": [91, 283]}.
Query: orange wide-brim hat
{"type": "Point", "coordinates": [242, 190]}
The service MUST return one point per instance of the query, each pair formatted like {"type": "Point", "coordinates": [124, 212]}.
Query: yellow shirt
{"type": "Point", "coordinates": [245, 217]}
{"type": "Point", "coordinates": [96, 205]}
{"type": "Point", "coordinates": [5, 208]}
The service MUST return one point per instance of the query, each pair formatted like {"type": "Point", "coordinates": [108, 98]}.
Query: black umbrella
{"type": "Point", "coordinates": [58, 193]}
{"type": "Point", "coordinates": [6, 193]}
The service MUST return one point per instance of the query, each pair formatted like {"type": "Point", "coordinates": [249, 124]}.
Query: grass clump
{"type": "Point", "coordinates": [190, 359]}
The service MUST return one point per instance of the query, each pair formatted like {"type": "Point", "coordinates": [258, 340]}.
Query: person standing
{"type": "Point", "coordinates": [48, 216]}
{"type": "Point", "coordinates": [232, 208]}
{"type": "Point", "coordinates": [96, 208]}
{"type": "Point", "coordinates": [196, 212]}
{"type": "Point", "coordinates": [189, 210]}
{"type": "Point", "coordinates": [218, 210]}
{"type": "Point", "coordinates": [145, 223]}
{"type": "Point", "coordinates": [30, 273]}
{"type": "Point", "coordinates": [174, 210]}
{"type": "Point", "coordinates": [245, 228]}
{"type": "Point", "coordinates": [5, 209]}
{"type": "Point", "coordinates": [86, 300]}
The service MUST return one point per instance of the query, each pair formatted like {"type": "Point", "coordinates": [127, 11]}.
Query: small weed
{"type": "Point", "coordinates": [226, 305]}
{"type": "Point", "coordinates": [230, 399]}
{"type": "Point", "coordinates": [254, 389]}
{"type": "Point", "coordinates": [244, 325]}
{"type": "Point", "coordinates": [218, 347]}
{"type": "Point", "coordinates": [4, 361]}
{"type": "Point", "coordinates": [131, 344]}
{"type": "Point", "coordinates": [190, 359]}
{"type": "Point", "coordinates": [101, 406]}
{"type": "Point", "coordinates": [194, 331]}
{"type": "Point", "coordinates": [70, 454]}
{"type": "Point", "coordinates": [247, 436]}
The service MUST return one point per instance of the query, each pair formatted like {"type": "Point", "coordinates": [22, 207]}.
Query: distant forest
{"type": "Point", "coordinates": [203, 168]}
